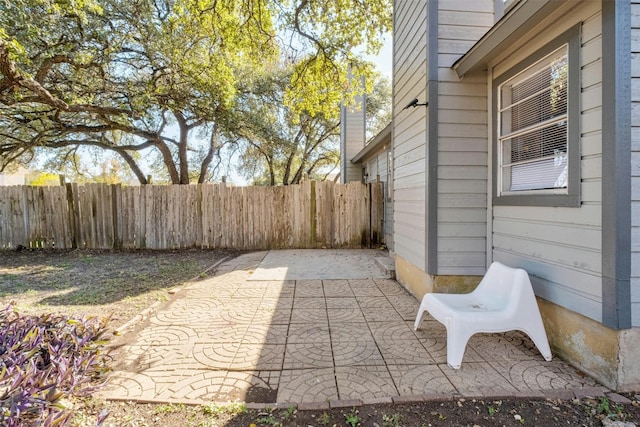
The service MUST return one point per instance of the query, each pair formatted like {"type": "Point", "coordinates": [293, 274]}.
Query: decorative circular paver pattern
{"type": "Point", "coordinates": [231, 337]}
{"type": "Point", "coordinates": [356, 353]}
{"type": "Point", "coordinates": [308, 385]}
{"type": "Point", "coordinates": [308, 355]}
{"type": "Point", "coordinates": [416, 380]}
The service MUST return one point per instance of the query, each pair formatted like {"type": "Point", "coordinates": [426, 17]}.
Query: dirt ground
{"type": "Point", "coordinates": [456, 412]}
{"type": "Point", "coordinates": [121, 284]}
{"type": "Point", "coordinates": [97, 283]}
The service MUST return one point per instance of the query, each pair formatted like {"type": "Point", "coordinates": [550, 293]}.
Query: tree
{"type": "Point", "coordinates": [122, 76]}
{"type": "Point", "coordinates": [157, 81]}
{"type": "Point", "coordinates": [279, 144]}
{"type": "Point", "coordinates": [282, 145]}
{"type": "Point", "coordinates": [378, 106]}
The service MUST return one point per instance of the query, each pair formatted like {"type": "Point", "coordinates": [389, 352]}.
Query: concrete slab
{"type": "Point", "coordinates": [308, 340]}
{"type": "Point", "coordinates": [321, 264]}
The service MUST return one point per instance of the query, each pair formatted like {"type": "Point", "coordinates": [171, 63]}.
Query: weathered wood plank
{"type": "Point", "coordinates": [307, 215]}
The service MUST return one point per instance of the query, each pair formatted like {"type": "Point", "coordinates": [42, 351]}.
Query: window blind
{"type": "Point", "coordinates": [532, 126]}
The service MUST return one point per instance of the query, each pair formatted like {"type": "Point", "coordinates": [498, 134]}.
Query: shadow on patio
{"type": "Point", "coordinates": [264, 330]}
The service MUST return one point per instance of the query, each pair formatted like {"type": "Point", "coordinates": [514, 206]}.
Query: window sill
{"type": "Point", "coordinates": [531, 199]}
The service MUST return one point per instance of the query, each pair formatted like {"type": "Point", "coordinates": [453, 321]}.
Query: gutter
{"type": "Point", "coordinates": [519, 20]}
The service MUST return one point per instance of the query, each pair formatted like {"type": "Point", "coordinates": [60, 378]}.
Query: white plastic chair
{"type": "Point", "coordinates": [503, 301]}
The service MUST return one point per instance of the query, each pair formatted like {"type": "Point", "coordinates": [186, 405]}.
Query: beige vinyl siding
{"type": "Point", "coordinates": [561, 247]}
{"type": "Point", "coordinates": [462, 144]}
{"type": "Point", "coordinates": [409, 130]}
{"type": "Point", "coordinates": [635, 163]}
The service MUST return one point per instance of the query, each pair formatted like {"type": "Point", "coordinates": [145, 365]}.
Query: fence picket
{"type": "Point", "coordinates": [103, 216]}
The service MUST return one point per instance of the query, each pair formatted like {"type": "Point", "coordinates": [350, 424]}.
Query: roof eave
{"type": "Point", "coordinates": [373, 145]}
{"type": "Point", "coordinates": [520, 19]}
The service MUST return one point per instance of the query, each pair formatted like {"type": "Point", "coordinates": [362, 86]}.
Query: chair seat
{"type": "Point", "coordinates": [503, 301]}
{"type": "Point", "coordinates": [466, 303]}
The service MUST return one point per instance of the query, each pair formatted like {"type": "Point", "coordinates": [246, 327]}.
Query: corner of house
{"type": "Point", "coordinates": [584, 343]}
{"type": "Point", "coordinates": [628, 366]}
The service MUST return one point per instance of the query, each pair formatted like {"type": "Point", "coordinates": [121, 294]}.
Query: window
{"type": "Point", "coordinates": [536, 159]}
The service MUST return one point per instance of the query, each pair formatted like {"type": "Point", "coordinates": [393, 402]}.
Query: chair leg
{"type": "Point", "coordinates": [419, 318]}
{"type": "Point", "coordinates": [539, 338]}
{"type": "Point", "coordinates": [456, 344]}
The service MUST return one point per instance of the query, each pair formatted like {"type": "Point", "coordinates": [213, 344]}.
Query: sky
{"type": "Point", "coordinates": [383, 59]}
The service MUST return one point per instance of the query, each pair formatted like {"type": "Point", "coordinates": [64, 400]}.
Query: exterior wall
{"type": "Point", "coordinates": [18, 178]}
{"type": "Point", "coordinates": [635, 163]}
{"type": "Point", "coordinates": [440, 152]}
{"type": "Point", "coordinates": [561, 247]}
{"type": "Point", "coordinates": [409, 131]}
{"type": "Point", "coordinates": [352, 139]}
{"type": "Point", "coordinates": [581, 341]}
{"type": "Point", "coordinates": [462, 142]}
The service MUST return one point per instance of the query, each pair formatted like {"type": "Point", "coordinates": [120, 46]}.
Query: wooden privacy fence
{"type": "Point", "coordinates": [103, 216]}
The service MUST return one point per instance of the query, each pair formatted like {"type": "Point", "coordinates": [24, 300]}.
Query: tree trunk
{"type": "Point", "coordinates": [182, 148]}
{"type": "Point", "coordinates": [213, 147]}
{"type": "Point", "coordinates": [168, 162]}
{"type": "Point", "coordinates": [133, 166]}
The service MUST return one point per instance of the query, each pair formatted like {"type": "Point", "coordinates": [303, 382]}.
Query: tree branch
{"type": "Point", "coordinates": [13, 78]}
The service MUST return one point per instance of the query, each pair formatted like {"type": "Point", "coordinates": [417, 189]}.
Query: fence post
{"type": "Point", "coordinates": [72, 216]}
{"type": "Point", "coordinates": [116, 212]}
{"type": "Point", "coordinates": [312, 211]}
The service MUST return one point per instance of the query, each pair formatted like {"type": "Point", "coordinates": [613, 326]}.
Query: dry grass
{"type": "Point", "coordinates": [97, 283]}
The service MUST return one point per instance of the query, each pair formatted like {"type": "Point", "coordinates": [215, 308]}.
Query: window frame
{"type": "Point", "coordinates": [545, 197]}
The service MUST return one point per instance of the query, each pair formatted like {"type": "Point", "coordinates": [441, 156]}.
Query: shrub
{"type": "Point", "coordinates": [44, 360]}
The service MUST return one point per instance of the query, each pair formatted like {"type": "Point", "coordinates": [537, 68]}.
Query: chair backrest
{"type": "Point", "coordinates": [501, 284]}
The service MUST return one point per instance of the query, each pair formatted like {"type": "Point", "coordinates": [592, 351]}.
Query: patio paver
{"type": "Point", "coordinates": [314, 341]}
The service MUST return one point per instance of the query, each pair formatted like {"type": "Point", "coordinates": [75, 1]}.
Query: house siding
{"type": "Point", "coordinates": [462, 146]}
{"type": "Point", "coordinates": [562, 247]}
{"type": "Point", "coordinates": [409, 131]}
{"type": "Point", "coordinates": [635, 163]}
{"type": "Point", "coordinates": [353, 136]}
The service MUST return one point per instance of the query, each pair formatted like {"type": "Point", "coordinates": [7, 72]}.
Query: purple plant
{"type": "Point", "coordinates": [44, 360]}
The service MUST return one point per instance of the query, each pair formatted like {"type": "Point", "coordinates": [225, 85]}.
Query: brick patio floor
{"type": "Point", "coordinates": [316, 342]}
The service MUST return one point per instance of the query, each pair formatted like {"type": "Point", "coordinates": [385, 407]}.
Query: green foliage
{"type": "Point", "coordinates": [329, 32]}
{"type": "Point", "coordinates": [378, 106]}
{"type": "Point", "coordinates": [235, 408]}
{"type": "Point", "coordinates": [352, 418]}
{"type": "Point", "coordinates": [281, 145]}
{"type": "Point", "coordinates": [608, 410]}
{"type": "Point", "coordinates": [290, 412]}
{"type": "Point", "coordinates": [162, 80]}
{"type": "Point", "coordinates": [168, 408]}
{"type": "Point", "coordinates": [269, 419]}
{"type": "Point", "coordinates": [325, 419]}
{"type": "Point", "coordinates": [391, 420]}
{"type": "Point", "coordinates": [56, 11]}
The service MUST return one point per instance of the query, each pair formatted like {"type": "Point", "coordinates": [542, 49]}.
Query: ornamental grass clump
{"type": "Point", "coordinates": [44, 361]}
